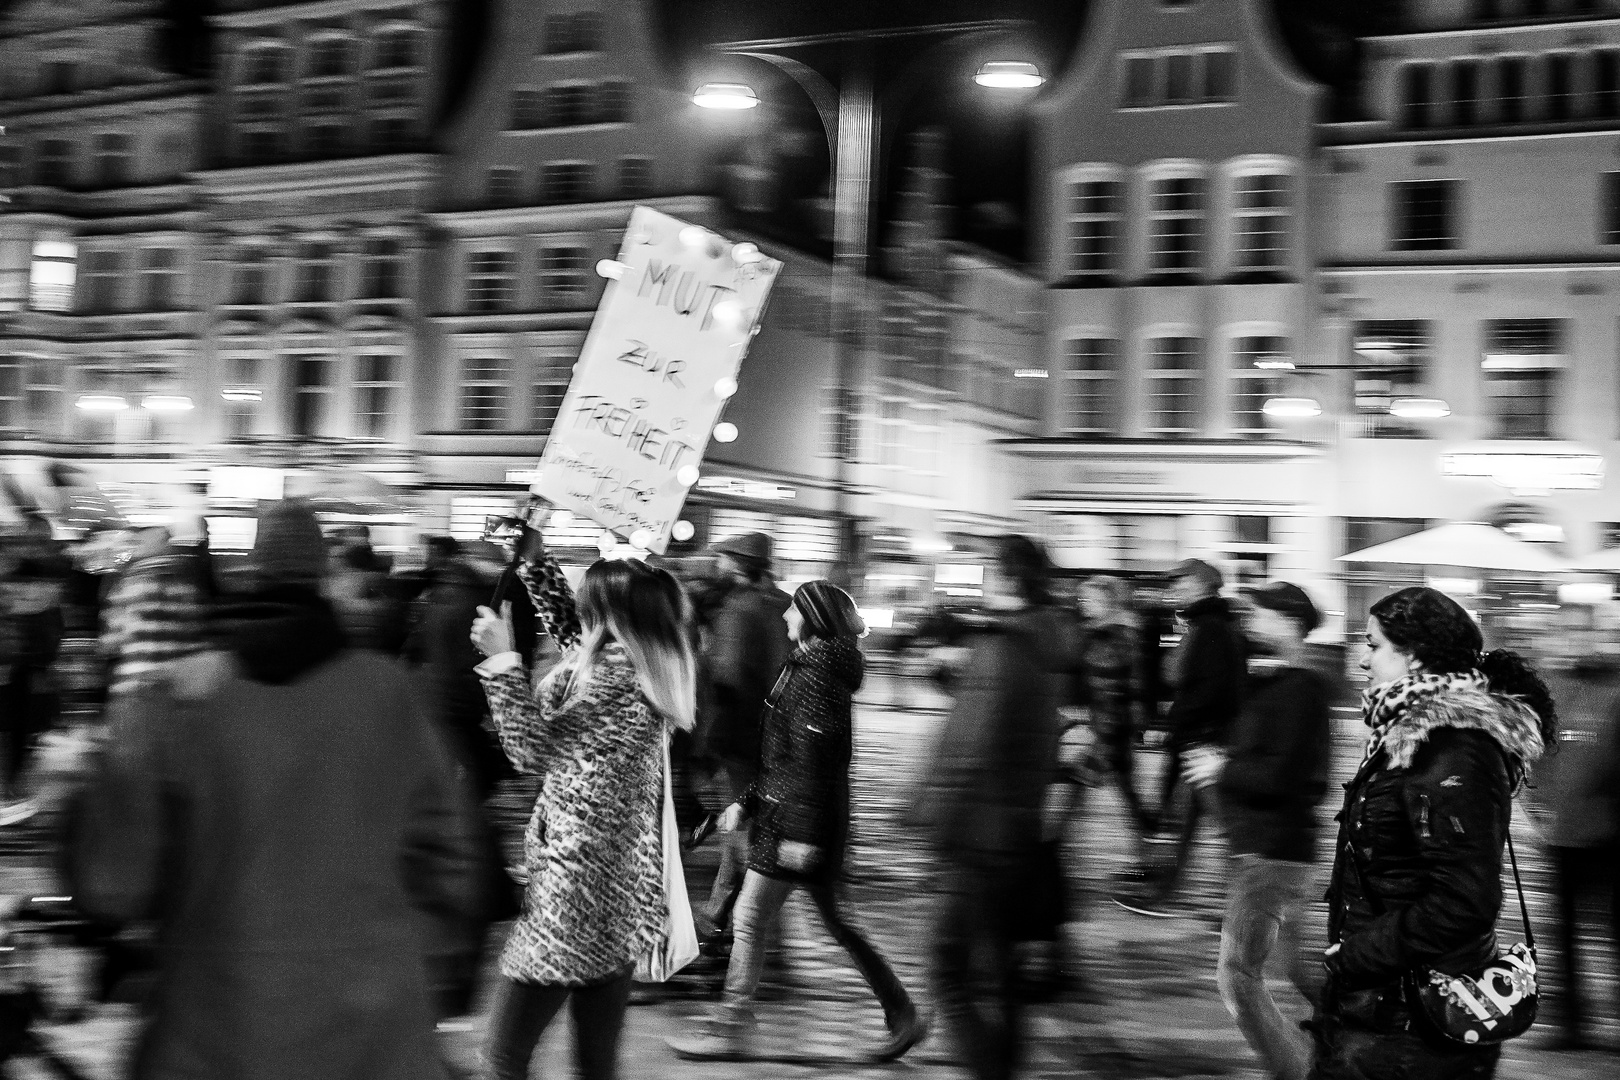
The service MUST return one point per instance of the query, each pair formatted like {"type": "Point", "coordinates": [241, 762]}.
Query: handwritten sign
{"type": "Point", "coordinates": [657, 367]}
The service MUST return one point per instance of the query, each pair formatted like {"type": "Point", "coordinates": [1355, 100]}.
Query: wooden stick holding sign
{"type": "Point", "coordinates": [659, 363]}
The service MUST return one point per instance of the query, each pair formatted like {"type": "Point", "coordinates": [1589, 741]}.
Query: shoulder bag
{"type": "Point", "coordinates": [677, 946]}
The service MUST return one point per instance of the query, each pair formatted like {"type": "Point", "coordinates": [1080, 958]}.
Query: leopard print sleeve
{"type": "Point", "coordinates": [520, 719]}
{"type": "Point", "coordinates": [553, 600]}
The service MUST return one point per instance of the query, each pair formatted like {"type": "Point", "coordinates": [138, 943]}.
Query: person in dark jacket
{"type": "Point", "coordinates": [1272, 777]}
{"type": "Point", "coordinates": [745, 644]}
{"type": "Point", "coordinates": [1577, 798]}
{"type": "Point", "coordinates": [1206, 672]}
{"type": "Point", "coordinates": [799, 808]}
{"type": "Point", "coordinates": [982, 801]}
{"type": "Point", "coordinates": [295, 828]}
{"type": "Point", "coordinates": [30, 602]}
{"type": "Point", "coordinates": [1417, 877]}
{"type": "Point", "coordinates": [1114, 680]}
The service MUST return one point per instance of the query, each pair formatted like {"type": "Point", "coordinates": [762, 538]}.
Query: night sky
{"type": "Point", "coordinates": [987, 140]}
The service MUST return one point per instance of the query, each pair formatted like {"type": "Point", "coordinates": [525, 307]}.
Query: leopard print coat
{"type": "Point", "coordinates": [593, 849]}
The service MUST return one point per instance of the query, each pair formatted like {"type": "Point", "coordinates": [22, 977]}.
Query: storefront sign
{"type": "Point", "coordinates": [1527, 471]}
{"type": "Point", "coordinates": [659, 363]}
{"type": "Point", "coordinates": [746, 489]}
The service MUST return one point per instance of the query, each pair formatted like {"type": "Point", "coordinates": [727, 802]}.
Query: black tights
{"type": "Point", "coordinates": [524, 1010]}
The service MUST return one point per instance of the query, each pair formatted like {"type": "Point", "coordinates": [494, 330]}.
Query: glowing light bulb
{"type": "Point", "coordinates": [562, 518]}
{"type": "Point", "coordinates": [728, 311]}
{"type": "Point", "coordinates": [688, 475]}
{"type": "Point", "coordinates": [606, 542]}
{"type": "Point", "coordinates": [612, 268]}
{"type": "Point", "coordinates": [693, 236]}
{"type": "Point", "coordinates": [725, 386]}
{"type": "Point", "coordinates": [745, 253]}
{"type": "Point", "coordinates": [725, 432]}
{"type": "Point", "coordinates": [682, 530]}
{"type": "Point", "coordinates": [642, 539]}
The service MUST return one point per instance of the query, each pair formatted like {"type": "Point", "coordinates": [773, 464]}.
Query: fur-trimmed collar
{"type": "Point", "coordinates": [1506, 719]}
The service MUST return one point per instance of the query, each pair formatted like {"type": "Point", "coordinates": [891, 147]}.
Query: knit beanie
{"type": "Point", "coordinates": [289, 548]}
{"type": "Point", "coordinates": [828, 611]}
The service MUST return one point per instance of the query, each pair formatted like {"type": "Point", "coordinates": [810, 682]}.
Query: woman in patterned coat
{"type": "Point", "coordinates": [593, 731]}
{"type": "Point", "coordinates": [799, 805]}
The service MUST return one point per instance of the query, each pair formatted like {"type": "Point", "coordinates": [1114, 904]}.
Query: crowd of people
{"type": "Point", "coordinates": [295, 758]}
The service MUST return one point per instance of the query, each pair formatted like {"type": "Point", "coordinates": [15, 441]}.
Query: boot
{"type": "Point", "coordinates": [727, 1035]}
{"type": "Point", "coordinates": [905, 1032]}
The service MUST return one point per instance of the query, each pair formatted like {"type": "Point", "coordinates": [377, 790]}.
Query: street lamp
{"type": "Point", "coordinates": [102, 403]}
{"type": "Point", "coordinates": [850, 116]}
{"type": "Point", "coordinates": [167, 403]}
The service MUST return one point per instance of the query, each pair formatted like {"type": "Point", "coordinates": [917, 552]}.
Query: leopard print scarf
{"type": "Point", "coordinates": [1383, 706]}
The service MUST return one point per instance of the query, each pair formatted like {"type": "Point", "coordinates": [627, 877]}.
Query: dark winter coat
{"type": "Point", "coordinates": [1577, 790]}
{"type": "Point", "coordinates": [295, 827]}
{"type": "Point", "coordinates": [1114, 675]}
{"type": "Point", "coordinates": [1277, 766]}
{"type": "Point", "coordinates": [1427, 816]}
{"type": "Point", "coordinates": [983, 792]}
{"type": "Point", "coordinates": [744, 650]}
{"type": "Point", "coordinates": [801, 792]}
{"type": "Point", "coordinates": [1206, 672]}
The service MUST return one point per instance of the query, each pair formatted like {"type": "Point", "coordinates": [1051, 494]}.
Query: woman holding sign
{"type": "Point", "coordinates": [593, 729]}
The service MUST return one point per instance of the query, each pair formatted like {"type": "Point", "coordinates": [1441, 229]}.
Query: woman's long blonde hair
{"type": "Point", "coordinates": [645, 610]}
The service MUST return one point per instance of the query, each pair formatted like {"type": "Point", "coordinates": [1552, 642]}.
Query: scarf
{"type": "Point", "coordinates": [1383, 706]}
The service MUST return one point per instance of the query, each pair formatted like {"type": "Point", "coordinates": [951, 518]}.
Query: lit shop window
{"type": "Point", "coordinates": [1173, 386]}
{"type": "Point", "coordinates": [486, 386]}
{"type": "Point", "coordinates": [1090, 406]}
{"type": "Point", "coordinates": [52, 275]}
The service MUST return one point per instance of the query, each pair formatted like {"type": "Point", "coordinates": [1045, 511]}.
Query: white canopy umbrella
{"type": "Point", "coordinates": [1463, 543]}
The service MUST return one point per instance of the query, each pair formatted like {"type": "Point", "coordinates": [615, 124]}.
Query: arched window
{"type": "Point", "coordinates": [1262, 214]}
{"type": "Point", "coordinates": [1094, 207]}
{"type": "Point", "coordinates": [1176, 194]}
{"type": "Point", "coordinates": [1174, 375]}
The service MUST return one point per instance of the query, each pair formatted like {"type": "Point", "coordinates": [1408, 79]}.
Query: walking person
{"type": "Point", "coordinates": [1577, 792]}
{"type": "Point", "coordinates": [154, 614]}
{"type": "Point", "coordinates": [31, 609]}
{"type": "Point", "coordinates": [799, 808]}
{"type": "Point", "coordinates": [982, 800]}
{"type": "Point", "coordinates": [294, 827]}
{"type": "Point", "coordinates": [1417, 876]}
{"type": "Point", "coordinates": [1206, 671]}
{"type": "Point", "coordinates": [1114, 681]}
{"type": "Point", "coordinates": [594, 730]}
{"type": "Point", "coordinates": [1271, 780]}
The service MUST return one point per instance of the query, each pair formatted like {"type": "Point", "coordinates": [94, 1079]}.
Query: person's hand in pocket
{"type": "Point", "coordinates": [800, 858]}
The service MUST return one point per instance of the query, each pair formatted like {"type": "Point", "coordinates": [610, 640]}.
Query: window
{"type": "Point", "coordinates": [160, 274]}
{"type": "Point", "coordinates": [1609, 208]}
{"type": "Point", "coordinates": [16, 258]}
{"type": "Point", "coordinates": [550, 385]}
{"type": "Point", "coordinates": [327, 139]}
{"type": "Point", "coordinates": [564, 274]}
{"type": "Point", "coordinates": [264, 66]}
{"type": "Point", "coordinates": [243, 393]}
{"type": "Point", "coordinates": [54, 165]}
{"type": "Point", "coordinates": [528, 110]}
{"type": "Point", "coordinates": [504, 186]}
{"type": "Point", "coordinates": [314, 274]}
{"type": "Point", "coordinates": [261, 145]}
{"type": "Point", "coordinates": [11, 393]}
{"type": "Point", "coordinates": [250, 275]}
{"type": "Point", "coordinates": [485, 383]}
{"type": "Point", "coordinates": [1484, 11]}
{"type": "Point", "coordinates": [1220, 75]}
{"type": "Point", "coordinates": [1200, 76]}
{"type": "Point", "coordinates": [115, 156]}
{"type": "Point", "coordinates": [1523, 358]}
{"type": "Point", "coordinates": [383, 270]}
{"type": "Point", "coordinates": [1510, 89]}
{"type": "Point", "coordinates": [1252, 385]}
{"type": "Point", "coordinates": [566, 181]}
{"type": "Point", "coordinates": [1138, 89]}
{"type": "Point", "coordinates": [1416, 94]}
{"type": "Point", "coordinates": [103, 272]}
{"type": "Point", "coordinates": [635, 177]}
{"type": "Point", "coordinates": [1560, 100]}
{"type": "Point", "coordinates": [1262, 204]}
{"type": "Point", "coordinates": [51, 277]}
{"type": "Point", "coordinates": [1176, 224]}
{"type": "Point", "coordinates": [1423, 215]}
{"type": "Point", "coordinates": [489, 281]}
{"type": "Point", "coordinates": [60, 76]}
{"type": "Point", "coordinates": [330, 57]}
{"type": "Point", "coordinates": [396, 49]}
{"type": "Point", "coordinates": [376, 389]}
{"type": "Point", "coordinates": [579, 31]}
{"type": "Point", "coordinates": [1606, 84]}
{"type": "Point", "coordinates": [1094, 220]}
{"type": "Point", "coordinates": [1465, 92]}
{"type": "Point", "coordinates": [1181, 79]}
{"type": "Point", "coordinates": [44, 403]}
{"type": "Point", "coordinates": [393, 134]}
{"type": "Point", "coordinates": [613, 101]}
{"type": "Point", "coordinates": [1173, 386]}
{"type": "Point", "coordinates": [568, 104]}
{"type": "Point", "coordinates": [1089, 406]}
{"type": "Point", "coordinates": [311, 396]}
{"type": "Point", "coordinates": [1392, 359]}
{"type": "Point", "coordinates": [10, 165]}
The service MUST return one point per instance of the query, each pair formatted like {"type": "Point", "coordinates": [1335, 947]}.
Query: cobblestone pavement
{"type": "Point", "coordinates": [1149, 1010]}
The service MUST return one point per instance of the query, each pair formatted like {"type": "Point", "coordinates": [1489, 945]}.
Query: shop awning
{"type": "Point", "coordinates": [1463, 543]}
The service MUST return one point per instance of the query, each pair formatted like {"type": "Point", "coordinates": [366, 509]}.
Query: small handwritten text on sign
{"type": "Point", "coordinates": [660, 361]}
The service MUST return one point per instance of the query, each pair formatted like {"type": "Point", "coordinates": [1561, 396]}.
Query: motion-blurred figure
{"type": "Point", "coordinates": [982, 801]}
{"type": "Point", "coordinates": [371, 615]}
{"type": "Point", "coordinates": [745, 645]}
{"type": "Point", "coordinates": [30, 638]}
{"type": "Point", "coordinates": [1114, 683]}
{"type": "Point", "coordinates": [154, 614]}
{"type": "Point", "coordinates": [1578, 791]}
{"type": "Point", "coordinates": [293, 824]}
{"type": "Point", "coordinates": [1271, 779]}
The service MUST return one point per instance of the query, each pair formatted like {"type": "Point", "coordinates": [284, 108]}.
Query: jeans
{"type": "Point", "coordinates": [1265, 901]}
{"type": "Point", "coordinates": [975, 966]}
{"type": "Point", "coordinates": [757, 907]}
{"type": "Point", "coordinates": [1582, 873]}
{"type": "Point", "coordinates": [524, 1010]}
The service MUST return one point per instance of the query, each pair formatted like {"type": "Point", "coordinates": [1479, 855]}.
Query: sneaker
{"type": "Point", "coordinates": [727, 1035]}
{"type": "Point", "coordinates": [18, 812]}
{"type": "Point", "coordinates": [904, 1035]}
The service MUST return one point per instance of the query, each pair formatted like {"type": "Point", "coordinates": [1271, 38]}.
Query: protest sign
{"type": "Point", "coordinates": [661, 358]}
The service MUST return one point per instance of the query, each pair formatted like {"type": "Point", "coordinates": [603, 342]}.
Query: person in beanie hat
{"type": "Point", "coordinates": [744, 647]}
{"type": "Point", "coordinates": [296, 828]}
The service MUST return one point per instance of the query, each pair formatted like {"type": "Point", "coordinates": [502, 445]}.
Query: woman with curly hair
{"type": "Point", "coordinates": [1417, 877]}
